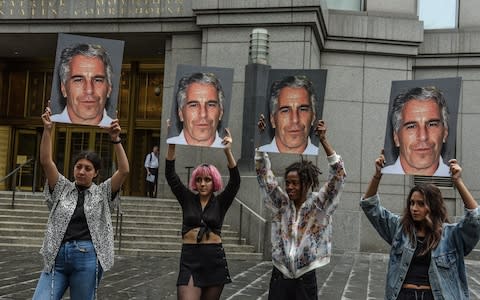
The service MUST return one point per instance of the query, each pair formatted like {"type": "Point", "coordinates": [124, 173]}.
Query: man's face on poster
{"type": "Point", "coordinates": [292, 120]}
{"type": "Point", "coordinates": [86, 90]}
{"type": "Point", "coordinates": [200, 114]}
{"type": "Point", "coordinates": [420, 137]}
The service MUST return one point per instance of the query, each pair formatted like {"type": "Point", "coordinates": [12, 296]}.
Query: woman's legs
{"type": "Point", "coordinates": [86, 271]}
{"type": "Point", "coordinates": [76, 267]}
{"type": "Point", "coordinates": [189, 292]}
{"type": "Point", "coordinates": [212, 292]}
{"type": "Point", "coordinates": [52, 285]}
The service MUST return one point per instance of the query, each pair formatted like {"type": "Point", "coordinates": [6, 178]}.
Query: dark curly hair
{"type": "Point", "coordinates": [307, 172]}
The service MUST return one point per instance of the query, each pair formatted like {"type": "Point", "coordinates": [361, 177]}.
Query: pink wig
{"type": "Point", "coordinates": [206, 170]}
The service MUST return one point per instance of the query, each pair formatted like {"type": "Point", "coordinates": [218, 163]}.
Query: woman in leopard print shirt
{"type": "Point", "coordinates": [78, 243]}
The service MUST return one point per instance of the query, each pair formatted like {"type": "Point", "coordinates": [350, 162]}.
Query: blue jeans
{"type": "Point", "coordinates": [76, 267]}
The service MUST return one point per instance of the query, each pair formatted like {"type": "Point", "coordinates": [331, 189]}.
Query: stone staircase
{"type": "Point", "coordinates": [149, 227]}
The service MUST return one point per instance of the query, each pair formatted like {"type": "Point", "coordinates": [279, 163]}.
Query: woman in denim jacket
{"type": "Point", "coordinates": [427, 255]}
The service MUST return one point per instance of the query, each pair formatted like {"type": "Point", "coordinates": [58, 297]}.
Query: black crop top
{"type": "Point", "coordinates": [211, 218]}
{"type": "Point", "coordinates": [417, 273]}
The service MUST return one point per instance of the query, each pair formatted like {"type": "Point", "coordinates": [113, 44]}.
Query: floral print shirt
{"type": "Point", "coordinates": [301, 241]}
{"type": "Point", "coordinates": [62, 202]}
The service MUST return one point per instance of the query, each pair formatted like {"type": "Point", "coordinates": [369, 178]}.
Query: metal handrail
{"type": "Point", "coordinates": [14, 174]}
{"type": "Point", "coordinates": [262, 219]}
{"type": "Point", "coordinates": [118, 233]}
{"type": "Point", "coordinates": [256, 215]}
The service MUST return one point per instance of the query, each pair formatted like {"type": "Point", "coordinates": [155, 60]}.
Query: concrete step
{"type": "Point", "coordinates": [153, 212]}
{"type": "Point", "coordinates": [20, 232]}
{"type": "Point", "coordinates": [157, 207]}
{"type": "Point", "coordinates": [22, 240]}
{"type": "Point", "coordinates": [164, 238]}
{"type": "Point", "coordinates": [164, 231]}
{"type": "Point", "coordinates": [23, 219]}
{"type": "Point", "coordinates": [25, 206]}
{"type": "Point", "coordinates": [15, 225]}
{"type": "Point", "coordinates": [176, 253]}
{"type": "Point", "coordinates": [160, 223]}
{"type": "Point", "coordinates": [177, 245]}
{"type": "Point", "coordinates": [149, 226]}
{"type": "Point", "coordinates": [177, 218]}
{"type": "Point", "coordinates": [24, 212]}
{"type": "Point", "coordinates": [34, 235]}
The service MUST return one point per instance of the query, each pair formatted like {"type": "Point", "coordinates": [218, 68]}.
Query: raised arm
{"type": "Point", "coordinates": [46, 153]}
{"type": "Point", "coordinates": [321, 131]}
{"type": "Point", "coordinates": [330, 192]}
{"type": "Point", "coordinates": [456, 171]}
{"type": "Point", "coordinates": [372, 188]}
{"type": "Point", "coordinates": [122, 161]}
{"type": "Point", "coordinates": [170, 152]}
{"type": "Point", "coordinates": [227, 142]}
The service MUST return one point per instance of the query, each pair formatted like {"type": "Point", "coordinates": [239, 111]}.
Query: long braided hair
{"type": "Point", "coordinates": [307, 172]}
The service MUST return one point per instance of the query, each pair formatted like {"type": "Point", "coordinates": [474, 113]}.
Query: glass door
{"type": "Point", "coordinates": [69, 142]}
{"type": "Point", "coordinates": [25, 149]}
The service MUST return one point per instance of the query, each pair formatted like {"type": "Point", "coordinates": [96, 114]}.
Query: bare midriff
{"type": "Point", "coordinates": [416, 287]}
{"type": "Point", "coordinates": [191, 237]}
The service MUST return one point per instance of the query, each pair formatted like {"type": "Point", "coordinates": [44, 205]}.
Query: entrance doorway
{"type": "Point", "coordinates": [26, 149]}
{"type": "Point", "coordinates": [71, 141]}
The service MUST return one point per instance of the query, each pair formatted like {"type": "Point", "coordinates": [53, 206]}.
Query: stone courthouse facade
{"type": "Point", "coordinates": [363, 45]}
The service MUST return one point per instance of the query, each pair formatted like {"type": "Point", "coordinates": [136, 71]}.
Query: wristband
{"type": "Point", "coordinates": [117, 142]}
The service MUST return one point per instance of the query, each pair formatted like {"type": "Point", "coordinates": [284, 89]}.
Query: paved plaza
{"type": "Point", "coordinates": [348, 276]}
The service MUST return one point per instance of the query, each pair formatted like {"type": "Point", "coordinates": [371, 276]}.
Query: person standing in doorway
{"type": "Point", "coordinates": [151, 165]}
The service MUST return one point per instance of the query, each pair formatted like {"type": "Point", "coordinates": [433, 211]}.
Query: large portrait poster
{"type": "Point", "coordinates": [421, 128]}
{"type": "Point", "coordinates": [294, 104]}
{"type": "Point", "coordinates": [201, 105]}
{"type": "Point", "coordinates": [86, 80]}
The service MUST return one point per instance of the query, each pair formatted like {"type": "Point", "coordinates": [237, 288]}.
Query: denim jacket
{"type": "Point", "coordinates": [447, 268]}
{"type": "Point", "coordinates": [301, 241]}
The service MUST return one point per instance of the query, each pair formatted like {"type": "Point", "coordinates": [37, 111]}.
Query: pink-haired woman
{"type": "Point", "coordinates": [203, 267]}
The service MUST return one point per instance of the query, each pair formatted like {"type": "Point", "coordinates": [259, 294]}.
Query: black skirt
{"type": "Point", "coordinates": [206, 263]}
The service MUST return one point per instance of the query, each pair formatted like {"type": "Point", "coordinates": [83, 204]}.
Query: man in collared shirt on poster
{"type": "Point", "coordinates": [86, 85]}
{"type": "Point", "coordinates": [200, 100]}
{"type": "Point", "coordinates": [302, 220]}
{"type": "Point", "coordinates": [420, 129]}
{"type": "Point", "coordinates": [151, 166]}
{"type": "Point", "coordinates": [292, 106]}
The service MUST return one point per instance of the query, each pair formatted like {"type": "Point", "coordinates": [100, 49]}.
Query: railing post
{"type": "Point", "coordinates": [188, 173]}
{"type": "Point", "coordinates": [264, 240]}
{"type": "Point", "coordinates": [240, 225]}
{"type": "Point", "coordinates": [34, 184]}
{"type": "Point", "coordinates": [14, 189]}
{"type": "Point", "coordinates": [120, 239]}
{"type": "Point", "coordinates": [116, 224]}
